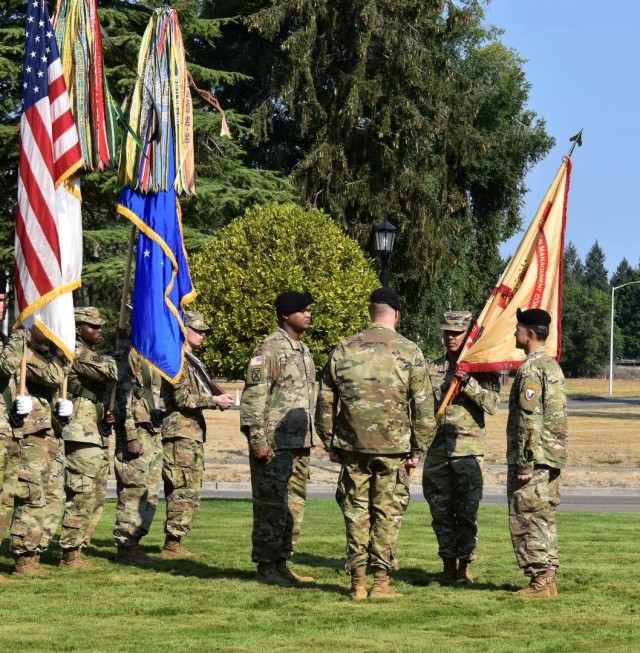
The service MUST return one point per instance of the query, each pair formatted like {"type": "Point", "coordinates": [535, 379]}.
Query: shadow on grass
{"type": "Point", "coordinates": [187, 567]}
{"type": "Point", "coordinates": [422, 578]}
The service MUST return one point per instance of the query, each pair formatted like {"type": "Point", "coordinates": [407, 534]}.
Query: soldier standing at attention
{"type": "Point", "coordinates": [138, 462]}
{"type": "Point", "coordinates": [10, 411]}
{"type": "Point", "coordinates": [86, 438]}
{"type": "Point", "coordinates": [183, 435]}
{"type": "Point", "coordinates": [452, 475]}
{"type": "Point", "coordinates": [38, 500]}
{"type": "Point", "coordinates": [536, 452]}
{"type": "Point", "coordinates": [276, 416]}
{"type": "Point", "coordinates": [375, 416]}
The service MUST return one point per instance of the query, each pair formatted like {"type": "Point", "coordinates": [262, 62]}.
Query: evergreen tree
{"type": "Point", "coordinates": [404, 110]}
{"type": "Point", "coordinates": [627, 308]}
{"type": "Point", "coordinates": [573, 267]}
{"type": "Point", "coordinates": [595, 273]}
{"type": "Point", "coordinates": [226, 183]}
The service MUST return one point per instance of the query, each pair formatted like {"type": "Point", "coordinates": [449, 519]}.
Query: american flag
{"type": "Point", "coordinates": [48, 256]}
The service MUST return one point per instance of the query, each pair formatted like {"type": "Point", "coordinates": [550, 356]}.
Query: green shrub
{"type": "Point", "coordinates": [273, 248]}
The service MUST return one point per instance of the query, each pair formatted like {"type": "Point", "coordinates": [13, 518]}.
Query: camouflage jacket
{"type": "Point", "coordinates": [184, 404]}
{"type": "Point", "coordinates": [45, 373]}
{"type": "Point", "coordinates": [140, 403]}
{"type": "Point", "coordinates": [461, 430]}
{"type": "Point", "coordinates": [537, 426]}
{"type": "Point", "coordinates": [375, 395]}
{"type": "Point", "coordinates": [278, 400]}
{"type": "Point", "coordinates": [90, 381]}
{"type": "Point", "coordinates": [10, 359]}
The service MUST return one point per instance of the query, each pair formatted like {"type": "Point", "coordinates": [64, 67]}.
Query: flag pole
{"type": "Point", "coordinates": [576, 139]}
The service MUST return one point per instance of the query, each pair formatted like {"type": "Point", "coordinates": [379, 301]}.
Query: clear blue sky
{"type": "Point", "coordinates": [583, 58]}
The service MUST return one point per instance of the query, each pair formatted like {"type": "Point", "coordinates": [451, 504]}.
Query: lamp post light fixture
{"type": "Point", "coordinates": [613, 294]}
{"type": "Point", "coordinates": [385, 234]}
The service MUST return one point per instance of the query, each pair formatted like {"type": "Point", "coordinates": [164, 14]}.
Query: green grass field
{"type": "Point", "coordinates": [213, 604]}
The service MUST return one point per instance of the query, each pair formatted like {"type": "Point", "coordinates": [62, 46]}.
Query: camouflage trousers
{"type": "Point", "coordinates": [138, 479]}
{"type": "Point", "coordinates": [279, 493]}
{"type": "Point", "coordinates": [453, 488]}
{"type": "Point", "coordinates": [37, 504]}
{"type": "Point", "coordinates": [53, 490]}
{"type": "Point", "coordinates": [182, 471]}
{"type": "Point", "coordinates": [532, 519]}
{"type": "Point", "coordinates": [9, 466]}
{"type": "Point", "coordinates": [85, 485]}
{"type": "Point", "coordinates": [373, 493]}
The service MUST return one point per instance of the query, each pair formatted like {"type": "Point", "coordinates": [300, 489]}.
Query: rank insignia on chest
{"type": "Point", "coordinates": [256, 374]}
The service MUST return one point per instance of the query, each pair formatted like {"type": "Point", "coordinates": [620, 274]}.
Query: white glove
{"type": "Point", "coordinates": [24, 405]}
{"type": "Point", "coordinates": [65, 408]}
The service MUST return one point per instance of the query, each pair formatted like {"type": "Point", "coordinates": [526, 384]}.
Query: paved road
{"type": "Point", "coordinates": [573, 499]}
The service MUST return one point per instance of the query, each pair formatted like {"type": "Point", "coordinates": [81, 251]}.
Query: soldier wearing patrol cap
{"type": "Point", "coordinates": [452, 475]}
{"type": "Point", "coordinates": [86, 438]}
{"type": "Point", "coordinates": [375, 417]}
{"type": "Point", "coordinates": [276, 416]}
{"type": "Point", "coordinates": [183, 434]}
{"type": "Point", "coordinates": [536, 452]}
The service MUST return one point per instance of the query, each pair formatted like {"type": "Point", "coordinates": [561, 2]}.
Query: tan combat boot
{"type": "Point", "coordinates": [358, 584]}
{"type": "Point", "coordinates": [288, 574]}
{"type": "Point", "coordinates": [465, 576]}
{"type": "Point", "coordinates": [28, 564]}
{"type": "Point", "coordinates": [173, 549]}
{"type": "Point", "coordinates": [132, 555]}
{"type": "Point", "coordinates": [72, 559]}
{"type": "Point", "coordinates": [266, 572]}
{"type": "Point", "coordinates": [381, 588]}
{"type": "Point", "coordinates": [541, 586]}
{"type": "Point", "coordinates": [449, 573]}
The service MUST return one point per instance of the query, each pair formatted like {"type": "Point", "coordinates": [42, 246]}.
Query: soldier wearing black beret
{"type": "Point", "coordinates": [276, 416]}
{"type": "Point", "coordinates": [536, 453]}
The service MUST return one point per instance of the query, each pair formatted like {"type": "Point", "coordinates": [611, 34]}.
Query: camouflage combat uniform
{"type": "Point", "coordinates": [38, 499]}
{"type": "Point", "coordinates": [375, 408]}
{"type": "Point", "coordinates": [536, 442]}
{"type": "Point", "coordinates": [276, 410]}
{"type": "Point", "coordinates": [10, 359]}
{"type": "Point", "coordinates": [452, 474]}
{"type": "Point", "coordinates": [86, 448]}
{"type": "Point", "coordinates": [138, 477]}
{"type": "Point", "coordinates": [183, 435]}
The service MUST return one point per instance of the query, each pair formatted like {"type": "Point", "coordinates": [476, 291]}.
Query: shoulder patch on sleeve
{"type": "Point", "coordinates": [256, 360]}
{"type": "Point", "coordinates": [530, 395]}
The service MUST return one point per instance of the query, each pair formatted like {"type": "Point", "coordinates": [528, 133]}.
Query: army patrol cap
{"type": "Point", "coordinates": [88, 315]}
{"type": "Point", "coordinates": [386, 296]}
{"type": "Point", "coordinates": [533, 317]}
{"type": "Point", "coordinates": [292, 301]}
{"type": "Point", "coordinates": [195, 320]}
{"type": "Point", "coordinates": [456, 321]}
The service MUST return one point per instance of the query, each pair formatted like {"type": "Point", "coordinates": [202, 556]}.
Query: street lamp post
{"type": "Point", "coordinates": [613, 294]}
{"type": "Point", "coordinates": [385, 234]}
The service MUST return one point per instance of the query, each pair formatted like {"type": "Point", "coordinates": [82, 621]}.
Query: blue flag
{"type": "Point", "coordinates": [162, 284]}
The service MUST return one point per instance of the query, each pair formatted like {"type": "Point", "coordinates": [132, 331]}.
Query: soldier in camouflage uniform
{"type": "Point", "coordinates": [375, 416]}
{"type": "Point", "coordinates": [86, 438]}
{"type": "Point", "coordinates": [183, 436]}
{"type": "Point", "coordinates": [536, 453]}
{"type": "Point", "coordinates": [9, 365]}
{"type": "Point", "coordinates": [276, 416]}
{"type": "Point", "coordinates": [138, 462]}
{"type": "Point", "coordinates": [34, 517]}
{"type": "Point", "coordinates": [452, 474]}
{"type": "Point", "coordinates": [10, 359]}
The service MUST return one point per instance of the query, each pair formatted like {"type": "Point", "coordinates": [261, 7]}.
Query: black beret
{"type": "Point", "coordinates": [386, 296]}
{"type": "Point", "coordinates": [533, 317]}
{"type": "Point", "coordinates": [292, 301]}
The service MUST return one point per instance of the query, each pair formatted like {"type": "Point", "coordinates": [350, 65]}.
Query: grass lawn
{"type": "Point", "coordinates": [214, 604]}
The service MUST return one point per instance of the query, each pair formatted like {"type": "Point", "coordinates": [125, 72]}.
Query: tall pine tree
{"type": "Point", "coordinates": [409, 110]}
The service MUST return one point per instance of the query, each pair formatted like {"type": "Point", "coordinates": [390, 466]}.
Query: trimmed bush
{"type": "Point", "coordinates": [273, 248]}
